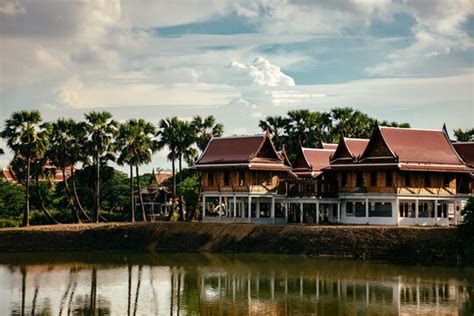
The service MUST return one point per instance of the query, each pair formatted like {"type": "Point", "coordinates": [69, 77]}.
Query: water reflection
{"type": "Point", "coordinates": [174, 284]}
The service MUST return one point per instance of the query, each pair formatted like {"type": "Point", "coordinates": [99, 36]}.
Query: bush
{"type": "Point", "coordinates": [467, 227]}
{"type": "Point", "coordinates": [12, 199]}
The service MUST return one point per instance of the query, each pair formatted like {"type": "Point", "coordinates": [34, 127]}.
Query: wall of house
{"type": "Point", "coordinates": [241, 181]}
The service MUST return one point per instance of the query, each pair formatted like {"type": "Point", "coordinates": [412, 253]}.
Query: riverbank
{"type": "Point", "coordinates": [420, 245]}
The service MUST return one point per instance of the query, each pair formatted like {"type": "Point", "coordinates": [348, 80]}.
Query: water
{"type": "Point", "coordinates": [205, 284]}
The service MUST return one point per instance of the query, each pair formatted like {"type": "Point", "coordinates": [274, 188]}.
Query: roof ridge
{"type": "Point", "coordinates": [318, 149]}
{"type": "Point", "coordinates": [354, 138]}
{"type": "Point", "coordinates": [239, 136]}
{"type": "Point", "coordinates": [412, 129]}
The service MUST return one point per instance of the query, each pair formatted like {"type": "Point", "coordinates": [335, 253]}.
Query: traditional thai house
{"type": "Point", "coordinates": [242, 179]}
{"type": "Point", "coordinates": [401, 177]}
{"type": "Point", "coordinates": [8, 174]}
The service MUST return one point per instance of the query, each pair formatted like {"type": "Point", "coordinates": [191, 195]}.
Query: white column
{"type": "Point", "coordinates": [317, 212]}
{"type": "Point", "coordinates": [257, 207]}
{"type": "Point", "coordinates": [220, 207]}
{"type": "Point", "coordinates": [455, 213]}
{"type": "Point", "coordinates": [301, 212]}
{"type": "Point", "coordinates": [250, 208]}
{"type": "Point", "coordinates": [235, 207]}
{"type": "Point", "coordinates": [436, 219]}
{"type": "Point", "coordinates": [272, 210]}
{"type": "Point", "coordinates": [367, 210]}
{"type": "Point", "coordinates": [338, 212]}
{"type": "Point", "coordinates": [417, 208]}
{"type": "Point", "coordinates": [203, 207]}
{"type": "Point", "coordinates": [242, 209]}
{"type": "Point", "coordinates": [287, 205]}
{"type": "Point", "coordinates": [397, 210]}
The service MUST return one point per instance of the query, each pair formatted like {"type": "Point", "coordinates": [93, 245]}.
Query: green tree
{"type": "Point", "coordinates": [101, 130]}
{"type": "Point", "coordinates": [168, 130]}
{"type": "Point", "coordinates": [28, 139]}
{"type": "Point", "coordinates": [136, 142]}
{"type": "Point", "coordinates": [205, 129]}
{"type": "Point", "coordinates": [464, 135]}
{"type": "Point", "coordinates": [190, 188]}
{"type": "Point", "coordinates": [12, 199]}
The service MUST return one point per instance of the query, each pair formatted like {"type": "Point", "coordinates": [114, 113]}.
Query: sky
{"type": "Point", "coordinates": [240, 60]}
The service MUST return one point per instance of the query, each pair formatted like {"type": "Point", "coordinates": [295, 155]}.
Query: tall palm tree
{"type": "Point", "coordinates": [205, 129]}
{"type": "Point", "coordinates": [29, 141]}
{"type": "Point", "coordinates": [464, 136]}
{"type": "Point", "coordinates": [64, 153]}
{"type": "Point", "coordinates": [136, 143]}
{"type": "Point", "coordinates": [101, 130]}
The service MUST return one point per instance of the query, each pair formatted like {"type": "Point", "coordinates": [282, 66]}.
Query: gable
{"type": "Point", "coordinates": [377, 148]}
{"type": "Point", "coordinates": [301, 162]}
{"type": "Point", "coordinates": [267, 151]}
{"type": "Point", "coordinates": [342, 152]}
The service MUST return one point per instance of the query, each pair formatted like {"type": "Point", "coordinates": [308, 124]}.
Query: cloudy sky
{"type": "Point", "coordinates": [238, 60]}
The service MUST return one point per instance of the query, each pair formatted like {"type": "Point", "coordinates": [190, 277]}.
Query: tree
{"type": "Point", "coordinates": [28, 139]}
{"type": "Point", "coordinates": [12, 199]}
{"type": "Point", "coordinates": [205, 129]}
{"type": "Point", "coordinates": [137, 145]}
{"type": "Point", "coordinates": [467, 226]}
{"type": "Point", "coordinates": [464, 136]}
{"type": "Point", "coordinates": [189, 188]}
{"type": "Point", "coordinates": [67, 139]}
{"type": "Point", "coordinates": [101, 130]}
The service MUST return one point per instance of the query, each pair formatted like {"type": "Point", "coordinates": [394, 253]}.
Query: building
{"type": "Point", "coordinates": [242, 179]}
{"type": "Point", "coordinates": [8, 174]}
{"type": "Point", "coordinates": [397, 177]}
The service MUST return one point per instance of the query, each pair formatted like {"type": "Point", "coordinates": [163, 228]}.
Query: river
{"type": "Point", "coordinates": [117, 283]}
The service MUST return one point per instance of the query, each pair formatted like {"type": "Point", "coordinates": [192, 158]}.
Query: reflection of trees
{"type": "Point", "coordinates": [89, 304]}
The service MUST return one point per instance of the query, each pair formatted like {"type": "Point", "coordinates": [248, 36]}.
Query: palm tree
{"type": "Point", "coordinates": [205, 129]}
{"type": "Point", "coordinates": [101, 130]}
{"type": "Point", "coordinates": [29, 141]}
{"type": "Point", "coordinates": [464, 136]}
{"type": "Point", "coordinates": [137, 145]}
{"type": "Point", "coordinates": [64, 153]}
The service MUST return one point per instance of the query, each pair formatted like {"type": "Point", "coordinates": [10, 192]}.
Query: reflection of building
{"type": "Point", "coordinates": [397, 177]}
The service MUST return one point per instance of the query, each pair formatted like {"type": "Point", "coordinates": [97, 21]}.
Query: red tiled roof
{"type": "Point", "coordinates": [317, 158]}
{"type": "Point", "coordinates": [8, 175]}
{"type": "Point", "coordinates": [356, 145]}
{"type": "Point", "coordinates": [231, 149]}
{"type": "Point", "coordinates": [162, 176]}
{"type": "Point", "coordinates": [466, 151]}
{"type": "Point", "coordinates": [329, 146]}
{"type": "Point", "coordinates": [420, 146]}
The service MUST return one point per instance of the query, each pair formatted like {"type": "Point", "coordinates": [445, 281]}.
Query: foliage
{"type": "Point", "coordinates": [467, 227]}
{"type": "Point", "coordinates": [12, 197]}
{"type": "Point", "coordinates": [464, 136]}
{"type": "Point", "coordinates": [190, 188]}
{"type": "Point", "coordinates": [310, 129]}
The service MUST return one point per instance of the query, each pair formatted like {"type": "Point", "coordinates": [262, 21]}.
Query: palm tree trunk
{"type": "Point", "coordinates": [97, 189]}
{"type": "Point", "coordinates": [26, 215]}
{"type": "Point", "coordinates": [76, 196]}
{"type": "Point", "coordinates": [43, 207]}
{"type": "Point", "coordinates": [132, 197]}
{"type": "Point", "coordinates": [180, 198]}
{"type": "Point", "coordinates": [140, 197]}
{"type": "Point", "coordinates": [75, 213]}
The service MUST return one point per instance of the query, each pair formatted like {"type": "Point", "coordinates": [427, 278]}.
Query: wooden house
{"type": "Point", "coordinates": [241, 178]}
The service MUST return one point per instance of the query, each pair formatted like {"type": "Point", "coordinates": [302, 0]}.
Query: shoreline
{"type": "Point", "coordinates": [411, 245]}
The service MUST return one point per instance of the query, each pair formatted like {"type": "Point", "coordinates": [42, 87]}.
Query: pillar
{"type": "Point", "coordinates": [242, 208]}
{"type": "Point", "coordinates": [455, 213]}
{"type": "Point", "coordinates": [220, 207]}
{"type": "Point", "coordinates": [287, 205]}
{"type": "Point", "coordinates": [397, 211]}
{"type": "Point", "coordinates": [203, 206]}
{"type": "Point", "coordinates": [367, 210]}
{"type": "Point", "coordinates": [338, 212]}
{"type": "Point", "coordinates": [417, 208]}
{"type": "Point", "coordinates": [272, 210]}
{"type": "Point", "coordinates": [235, 207]}
{"type": "Point", "coordinates": [250, 208]}
{"type": "Point", "coordinates": [257, 208]}
{"type": "Point", "coordinates": [301, 212]}
{"type": "Point", "coordinates": [317, 212]}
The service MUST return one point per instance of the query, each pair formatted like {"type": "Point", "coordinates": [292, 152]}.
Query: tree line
{"type": "Point", "coordinates": [99, 139]}
{"type": "Point", "coordinates": [95, 142]}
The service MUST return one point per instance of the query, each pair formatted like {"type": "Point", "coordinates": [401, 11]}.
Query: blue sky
{"type": "Point", "coordinates": [238, 60]}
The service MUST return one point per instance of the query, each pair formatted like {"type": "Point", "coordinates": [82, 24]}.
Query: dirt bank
{"type": "Point", "coordinates": [401, 244]}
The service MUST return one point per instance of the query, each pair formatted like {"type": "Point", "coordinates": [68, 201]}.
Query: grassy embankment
{"type": "Point", "coordinates": [433, 245]}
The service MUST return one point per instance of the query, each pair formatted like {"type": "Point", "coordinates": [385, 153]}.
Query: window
{"type": "Point", "coordinates": [349, 209]}
{"type": "Point", "coordinates": [210, 178]}
{"type": "Point", "coordinates": [447, 180]}
{"type": "Point", "coordinates": [407, 209]}
{"type": "Point", "coordinates": [343, 179]}
{"type": "Point", "coordinates": [373, 179]}
{"type": "Point", "coordinates": [359, 179]}
{"type": "Point", "coordinates": [407, 180]}
{"type": "Point", "coordinates": [226, 178]}
{"type": "Point", "coordinates": [388, 179]}
{"type": "Point", "coordinates": [241, 178]}
{"type": "Point", "coordinates": [427, 180]}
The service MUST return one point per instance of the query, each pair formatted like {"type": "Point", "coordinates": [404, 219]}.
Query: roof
{"type": "Point", "coordinates": [162, 176]}
{"type": "Point", "coordinates": [315, 159]}
{"type": "Point", "coordinates": [356, 146]}
{"type": "Point", "coordinates": [329, 146]}
{"type": "Point", "coordinates": [231, 149]}
{"type": "Point", "coordinates": [466, 151]}
{"type": "Point", "coordinates": [420, 146]}
{"type": "Point", "coordinates": [8, 175]}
